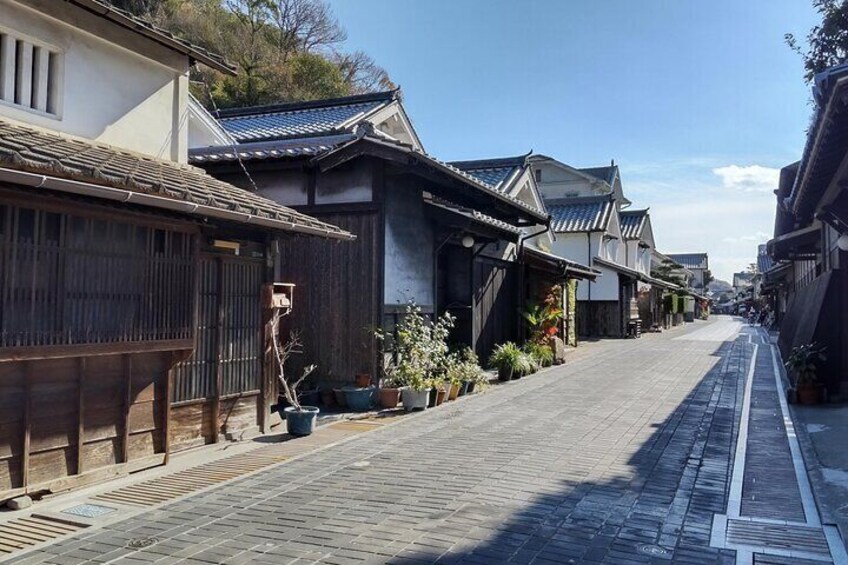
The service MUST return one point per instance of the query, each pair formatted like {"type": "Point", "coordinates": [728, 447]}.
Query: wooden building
{"type": "Point", "coordinates": [427, 231]}
{"type": "Point", "coordinates": [130, 282]}
{"type": "Point", "coordinates": [810, 246]}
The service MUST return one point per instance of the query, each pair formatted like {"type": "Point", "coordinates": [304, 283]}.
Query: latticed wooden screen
{"type": "Point", "coordinates": [228, 356]}
{"type": "Point", "coordinates": [68, 280]}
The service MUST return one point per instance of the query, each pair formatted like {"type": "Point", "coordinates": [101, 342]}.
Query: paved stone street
{"type": "Point", "coordinates": [621, 456]}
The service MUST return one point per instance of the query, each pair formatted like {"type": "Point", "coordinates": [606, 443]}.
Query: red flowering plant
{"type": "Point", "coordinates": [544, 318]}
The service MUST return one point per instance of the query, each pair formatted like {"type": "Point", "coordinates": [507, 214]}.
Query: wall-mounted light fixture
{"type": "Point", "coordinates": [467, 241]}
{"type": "Point", "coordinates": [842, 242]}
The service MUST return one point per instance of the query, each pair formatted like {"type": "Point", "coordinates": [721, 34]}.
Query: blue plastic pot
{"type": "Point", "coordinates": [301, 422]}
{"type": "Point", "coordinates": [359, 399]}
{"type": "Point", "coordinates": [463, 388]}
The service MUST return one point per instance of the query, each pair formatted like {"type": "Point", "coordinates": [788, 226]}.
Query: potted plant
{"type": "Point", "coordinates": [416, 394]}
{"type": "Point", "coordinates": [359, 399]}
{"type": "Point", "coordinates": [525, 365]}
{"type": "Point", "coordinates": [803, 363]}
{"type": "Point", "coordinates": [300, 420]}
{"type": "Point", "coordinates": [541, 353]}
{"type": "Point", "coordinates": [390, 389]}
{"type": "Point", "coordinates": [418, 352]}
{"type": "Point", "coordinates": [506, 359]}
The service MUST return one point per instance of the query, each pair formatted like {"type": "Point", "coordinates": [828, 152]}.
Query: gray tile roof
{"type": "Point", "coordinates": [476, 216]}
{"type": "Point", "coordinates": [301, 119]}
{"type": "Point", "coordinates": [690, 260]}
{"type": "Point", "coordinates": [606, 174]}
{"type": "Point", "coordinates": [321, 146]}
{"type": "Point", "coordinates": [305, 147]}
{"type": "Point", "coordinates": [764, 260]}
{"type": "Point", "coordinates": [584, 214]}
{"type": "Point", "coordinates": [632, 223]}
{"type": "Point", "coordinates": [29, 149]}
{"type": "Point", "coordinates": [494, 172]}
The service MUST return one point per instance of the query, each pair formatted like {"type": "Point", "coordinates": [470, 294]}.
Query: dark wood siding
{"type": "Point", "coordinates": [495, 304]}
{"type": "Point", "coordinates": [338, 296]}
{"type": "Point", "coordinates": [73, 421]}
{"type": "Point", "coordinates": [599, 318]}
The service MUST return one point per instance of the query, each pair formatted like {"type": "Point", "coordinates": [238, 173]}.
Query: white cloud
{"type": "Point", "coordinates": [752, 178]}
{"type": "Point", "coordinates": [707, 205]}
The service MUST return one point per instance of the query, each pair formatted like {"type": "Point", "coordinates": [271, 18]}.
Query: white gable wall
{"type": "Point", "coordinates": [393, 121]}
{"type": "Point", "coordinates": [524, 189]}
{"type": "Point", "coordinates": [561, 182]}
{"type": "Point", "coordinates": [108, 93]}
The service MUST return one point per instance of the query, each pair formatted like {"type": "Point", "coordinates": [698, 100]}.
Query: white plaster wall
{"type": "Point", "coordinates": [605, 286]}
{"type": "Point", "coordinates": [409, 247]}
{"type": "Point", "coordinates": [109, 93]}
{"type": "Point", "coordinates": [575, 246]}
{"type": "Point", "coordinates": [560, 183]}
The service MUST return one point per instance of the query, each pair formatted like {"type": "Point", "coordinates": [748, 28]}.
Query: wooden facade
{"type": "Point", "coordinates": [101, 308]}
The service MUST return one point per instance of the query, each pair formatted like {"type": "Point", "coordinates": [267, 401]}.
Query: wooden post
{"type": "Point", "coordinates": [125, 443]}
{"type": "Point", "coordinates": [166, 416]}
{"type": "Point", "coordinates": [219, 368]}
{"type": "Point", "coordinates": [27, 424]}
{"type": "Point", "coordinates": [81, 415]}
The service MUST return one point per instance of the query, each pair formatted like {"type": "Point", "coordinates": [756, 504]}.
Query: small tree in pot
{"type": "Point", "coordinates": [803, 363]}
{"type": "Point", "coordinates": [300, 420]}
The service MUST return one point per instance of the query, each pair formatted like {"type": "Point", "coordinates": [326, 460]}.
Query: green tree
{"type": "Point", "coordinates": [285, 50]}
{"type": "Point", "coordinates": [827, 42]}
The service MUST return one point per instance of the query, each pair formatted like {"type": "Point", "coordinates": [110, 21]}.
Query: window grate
{"type": "Point", "coordinates": [29, 74]}
{"type": "Point", "coordinates": [71, 280]}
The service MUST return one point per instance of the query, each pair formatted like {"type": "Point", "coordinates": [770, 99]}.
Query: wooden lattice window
{"type": "Point", "coordinates": [70, 280]}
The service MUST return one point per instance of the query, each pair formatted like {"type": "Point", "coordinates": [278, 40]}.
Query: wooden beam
{"type": "Point", "coordinates": [81, 350]}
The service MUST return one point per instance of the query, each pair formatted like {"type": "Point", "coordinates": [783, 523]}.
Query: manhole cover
{"type": "Point", "coordinates": [655, 550]}
{"type": "Point", "coordinates": [141, 543]}
{"type": "Point", "coordinates": [89, 510]}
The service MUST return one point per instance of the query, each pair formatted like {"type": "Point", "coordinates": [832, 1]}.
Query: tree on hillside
{"type": "Point", "coordinates": [827, 42]}
{"type": "Point", "coordinates": [284, 49]}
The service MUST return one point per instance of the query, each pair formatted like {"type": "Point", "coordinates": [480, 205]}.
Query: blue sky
{"type": "Point", "coordinates": [699, 102]}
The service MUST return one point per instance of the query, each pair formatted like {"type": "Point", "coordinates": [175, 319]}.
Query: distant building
{"type": "Point", "coordinates": [698, 263]}
{"type": "Point", "coordinates": [742, 281]}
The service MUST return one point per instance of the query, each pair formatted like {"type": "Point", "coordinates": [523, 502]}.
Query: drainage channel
{"type": "Point", "coordinates": [22, 533]}
{"type": "Point", "coordinates": [758, 539]}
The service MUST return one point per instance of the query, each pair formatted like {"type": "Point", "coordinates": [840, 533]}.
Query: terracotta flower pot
{"type": "Point", "coordinates": [809, 394]}
{"type": "Point", "coordinates": [362, 380]}
{"type": "Point", "coordinates": [389, 397]}
{"type": "Point", "coordinates": [441, 395]}
{"type": "Point", "coordinates": [454, 391]}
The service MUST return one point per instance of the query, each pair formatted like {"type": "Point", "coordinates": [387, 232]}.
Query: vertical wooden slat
{"type": "Point", "coordinates": [8, 57]}
{"type": "Point", "coordinates": [40, 67]}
